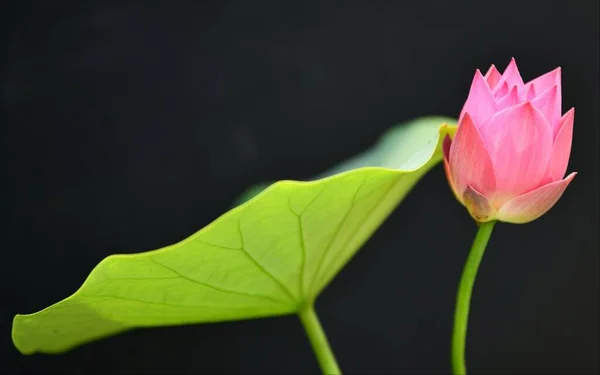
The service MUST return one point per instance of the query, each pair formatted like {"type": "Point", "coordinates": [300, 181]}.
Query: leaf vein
{"type": "Point", "coordinates": [299, 216]}
{"type": "Point", "coordinates": [377, 204]}
{"type": "Point", "coordinates": [219, 246]}
{"type": "Point", "coordinates": [216, 288]}
{"type": "Point", "coordinates": [335, 234]}
{"type": "Point", "coordinates": [110, 278]}
{"type": "Point", "coordinates": [302, 248]}
{"type": "Point", "coordinates": [262, 268]}
{"type": "Point", "coordinates": [108, 297]}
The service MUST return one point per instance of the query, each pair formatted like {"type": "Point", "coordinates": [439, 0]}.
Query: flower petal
{"type": "Point", "coordinates": [561, 149]}
{"type": "Point", "coordinates": [547, 81]}
{"type": "Point", "coordinates": [512, 77]}
{"type": "Point", "coordinates": [446, 150]}
{"type": "Point", "coordinates": [446, 147]}
{"type": "Point", "coordinates": [549, 103]}
{"type": "Point", "coordinates": [530, 206]}
{"type": "Point", "coordinates": [500, 90]}
{"type": "Point", "coordinates": [469, 160]}
{"type": "Point", "coordinates": [478, 205]}
{"type": "Point", "coordinates": [508, 100]}
{"type": "Point", "coordinates": [530, 93]}
{"type": "Point", "coordinates": [492, 77]}
{"type": "Point", "coordinates": [480, 103]}
{"type": "Point", "coordinates": [519, 141]}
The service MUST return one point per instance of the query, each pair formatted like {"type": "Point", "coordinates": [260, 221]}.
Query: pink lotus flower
{"type": "Point", "coordinates": [511, 150]}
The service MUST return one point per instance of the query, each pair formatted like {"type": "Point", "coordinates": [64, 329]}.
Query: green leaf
{"type": "Point", "coordinates": [396, 149]}
{"type": "Point", "coordinates": [266, 257]}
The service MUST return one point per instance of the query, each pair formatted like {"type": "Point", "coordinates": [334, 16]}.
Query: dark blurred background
{"type": "Point", "coordinates": [127, 126]}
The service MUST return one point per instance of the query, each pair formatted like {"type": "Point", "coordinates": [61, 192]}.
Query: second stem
{"type": "Point", "coordinates": [463, 297]}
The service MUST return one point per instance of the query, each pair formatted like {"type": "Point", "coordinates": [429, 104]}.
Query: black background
{"type": "Point", "coordinates": [127, 126]}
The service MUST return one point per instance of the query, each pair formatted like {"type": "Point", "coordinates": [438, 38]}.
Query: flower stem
{"type": "Point", "coordinates": [463, 297]}
{"type": "Point", "coordinates": [318, 340]}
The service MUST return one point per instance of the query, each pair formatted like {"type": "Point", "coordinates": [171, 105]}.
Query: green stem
{"type": "Point", "coordinates": [463, 298]}
{"type": "Point", "coordinates": [318, 340]}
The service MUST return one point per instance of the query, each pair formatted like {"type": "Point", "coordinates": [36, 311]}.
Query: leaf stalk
{"type": "Point", "coordinates": [318, 340]}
